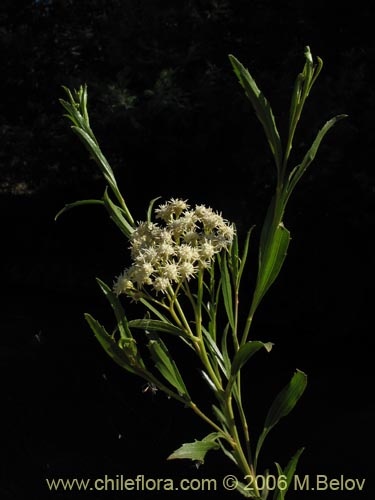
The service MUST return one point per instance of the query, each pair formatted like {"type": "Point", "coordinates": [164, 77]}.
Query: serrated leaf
{"type": "Point", "coordinates": [197, 450]}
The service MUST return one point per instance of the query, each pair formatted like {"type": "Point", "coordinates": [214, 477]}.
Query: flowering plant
{"type": "Point", "coordinates": [186, 269]}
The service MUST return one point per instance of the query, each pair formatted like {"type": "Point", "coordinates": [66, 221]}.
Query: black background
{"type": "Point", "coordinates": [68, 411]}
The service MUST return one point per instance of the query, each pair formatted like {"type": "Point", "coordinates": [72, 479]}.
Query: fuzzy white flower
{"type": "Point", "coordinates": [161, 284]}
{"type": "Point", "coordinates": [123, 283]}
{"type": "Point", "coordinates": [170, 271]}
{"type": "Point", "coordinates": [185, 241]}
{"type": "Point", "coordinates": [191, 238]}
{"type": "Point", "coordinates": [207, 250]}
{"type": "Point", "coordinates": [174, 207]}
{"type": "Point", "coordinates": [187, 270]}
{"type": "Point", "coordinates": [187, 253]}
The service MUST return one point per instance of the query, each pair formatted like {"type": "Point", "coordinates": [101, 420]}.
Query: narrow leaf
{"type": "Point", "coordinates": [117, 215]}
{"type": "Point", "coordinates": [197, 450]}
{"type": "Point", "coordinates": [154, 325]}
{"type": "Point", "coordinates": [224, 348]}
{"type": "Point", "coordinates": [283, 404]}
{"type": "Point", "coordinates": [300, 169]}
{"type": "Point", "coordinates": [150, 207]}
{"type": "Point", "coordinates": [288, 473]}
{"type": "Point", "coordinates": [271, 261]}
{"type": "Point", "coordinates": [122, 322]}
{"type": "Point", "coordinates": [244, 256]}
{"type": "Point", "coordinates": [214, 351]}
{"type": "Point", "coordinates": [262, 108]}
{"type": "Point", "coordinates": [166, 365]}
{"type": "Point", "coordinates": [226, 286]}
{"type": "Point", "coordinates": [110, 345]}
{"type": "Point", "coordinates": [78, 204]}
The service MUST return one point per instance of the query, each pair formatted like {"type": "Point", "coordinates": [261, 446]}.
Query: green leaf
{"type": "Point", "coordinates": [224, 349]}
{"type": "Point", "coordinates": [197, 450]}
{"type": "Point", "coordinates": [78, 204]}
{"type": "Point", "coordinates": [227, 290]}
{"type": "Point", "coordinates": [262, 108]}
{"type": "Point", "coordinates": [283, 404]}
{"type": "Point", "coordinates": [150, 207]}
{"type": "Point", "coordinates": [244, 257]}
{"type": "Point", "coordinates": [300, 169]}
{"type": "Point", "coordinates": [246, 492]}
{"type": "Point", "coordinates": [220, 417]}
{"type": "Point", "coordinates": [245, 352]}
{"type": "Point", "coordinates": [117, 215]}
{"type": "Point", "coordinates": [271, 259]}
{"type": "Point", "coordinates": [78, 114]}
{"type": "Point", "coordinates": [155, 325]}
{"type": "Point", "coordinates": [288, 473]}
{"type": "Point", "coordinates": [122, 322]}
{"type": "Point", "coordinates": [118, 354]}
{"type": "Point", "coordinates": [286, 399]}
{"type": "Point", "coordinates": [166, 365]}
{"type": "Point", "coordinates": [214, 351]}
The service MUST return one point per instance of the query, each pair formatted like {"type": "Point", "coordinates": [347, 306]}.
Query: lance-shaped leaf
{"type": "Point", "coordinates": [122, 322]}
{"type": "Point", "coordinates": [283, 404]}
{"type": "Point", "coordinates": [118, 354]}
{"type": "Point", "coordinates": [214, 351]}
{"type": "Point", "coordinates": [150, 207]}
{"type": "Point", "coordinates": [118, 216]}
{"type": "Point", "coordinates": [166, 365]}
{"type": "Point", "coordinates": [288, 473]}
{"type": "Point", "coordinates": [262, 108]}
{"type": "Point", "coordinates": [226, 287]}
{"type": "Point", "coordinates": [77, 113]}
{"type": "Point", "coordinates": [197, 450]}
{"type": "Point", "coordinates": [243, 258]}
{"type": "Point", "coordinates": [77, 204]}
{"type": "Point", "coordinates": [300, 169]}
{"type": "Point", "coordinates": [271, 259]}
{"type": "Point", "coordinates": [245, 352]}
{"type": "Point", "coordinates": [155, 325]}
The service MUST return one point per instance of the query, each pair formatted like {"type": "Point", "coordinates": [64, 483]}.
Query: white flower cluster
{"type": "Point", "coordinates": [168, 253]}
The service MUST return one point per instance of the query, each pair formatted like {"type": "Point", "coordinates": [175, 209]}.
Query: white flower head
{"type": "Point", "coordinates": [187, 270]}
{"type": "Point", "coordinates": [123, 283]}
{"type": "Point", "coordinates": [185, 241]}
{"type": "Point", "coordinates": [161, 284]}
{"type": "Point", "coordinates": [173, 207]}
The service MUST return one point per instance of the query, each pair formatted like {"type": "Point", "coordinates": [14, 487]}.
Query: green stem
{"type": "Point", "coordinates": [243, 463]}
{"type": "Point", "coordinates": [203, 416]}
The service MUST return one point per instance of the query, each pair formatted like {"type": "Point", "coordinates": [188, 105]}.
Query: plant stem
{"type": "Point", "coordinates": [203, 416]}
{"type": "Point", "coordinates": [243, 463]}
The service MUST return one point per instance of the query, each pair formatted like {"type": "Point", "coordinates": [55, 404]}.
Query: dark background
{"type": "Point", "coordinates": [172, 120]}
